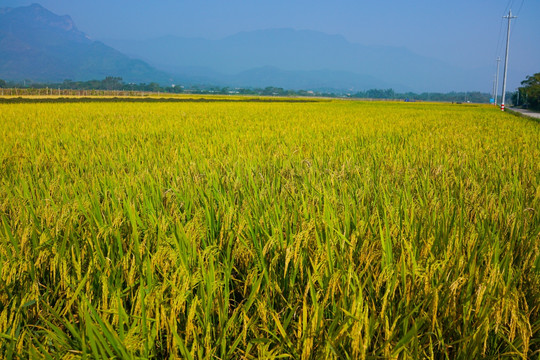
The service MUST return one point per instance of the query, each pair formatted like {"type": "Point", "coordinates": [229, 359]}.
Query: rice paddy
{"type": "Point", "coordinates": [236, 230]}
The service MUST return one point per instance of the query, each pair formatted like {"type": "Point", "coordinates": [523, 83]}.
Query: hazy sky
{"type": "Point", "coordinates": [466, 33]}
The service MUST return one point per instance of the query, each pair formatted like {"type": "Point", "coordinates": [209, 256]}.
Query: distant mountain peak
{"type": "Point", "coordinates": [273, 56]}
{"type": "Point", "coordinates": [288, 33]}
{"type": "Point", "coordinates": [46, 17]}
{"type": "Point", "coordinates": [39, 45]}
{"type": "Point", "coordinates": [36, 6]}
{"type": "Point", "coordinates": [36, 17]}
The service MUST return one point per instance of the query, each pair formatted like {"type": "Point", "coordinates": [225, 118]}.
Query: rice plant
{"type": "Point", "coordinates": [235, 230]}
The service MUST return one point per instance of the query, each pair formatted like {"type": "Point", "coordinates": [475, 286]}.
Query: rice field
{"type": "Point", "coordinates": [234, 230]}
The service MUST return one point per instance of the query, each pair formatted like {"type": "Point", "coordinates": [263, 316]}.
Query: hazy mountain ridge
{"type": "Point", "coordinates": [327, 80]}
{"type": "Point", "coordinates": [38, 45]}
{"type": "Point", "coordinates": [303, 50]}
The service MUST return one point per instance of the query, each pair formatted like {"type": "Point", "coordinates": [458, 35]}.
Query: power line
{"type": "Point", "coordinates": [499, 37]}
{"type": "Point", "coordinates": [509, 17]}
{"type": "Point", "coordinates": [497, 79]}
{"type": "Point", "coordinates": [497, 49]}
{"type": "Point", "coordinates": [508, 6]}
{"type": "Point", "coordinates": [499, 44]}
{"type": "Point", "coordinates": [520, 6]}
{"type": "Point", "coordinates": [516, 22]}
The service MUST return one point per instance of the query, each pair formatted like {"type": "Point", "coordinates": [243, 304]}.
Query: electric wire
{"type": "Point", "coordinates": [508, 6]}
{"type": "Point", "coordinates": [520, 6]}
{"type": "Point", "coordinates": [498, 49]}
{"type": "Point", "coordinates": [517, 16]}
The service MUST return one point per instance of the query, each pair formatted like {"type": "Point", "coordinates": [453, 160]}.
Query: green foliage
{"type": "Point", "coordinates": [116, 84]}
{"type": "Point", "coordinates": [268, 230]}
{"type": "Point", "coordinates": [530, 91]}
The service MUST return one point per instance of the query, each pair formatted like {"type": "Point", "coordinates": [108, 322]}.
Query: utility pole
{"type": "Point", "coordinates": [497, 79]}
{"type": "Point", "coordinates": [509, 17]}
{"type": "Point", "coordinates": [493, 90]}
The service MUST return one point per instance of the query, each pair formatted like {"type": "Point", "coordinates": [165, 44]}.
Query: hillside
{"type": "Point", "coordinates": [37, 45]}
{"type": "Point", "coordinates": [297, 52]}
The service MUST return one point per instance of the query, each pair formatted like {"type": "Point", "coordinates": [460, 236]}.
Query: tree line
{"type": "Point", "coordinates": [112, 83]}
{"type": "Point", "coordinates": [528, 95]}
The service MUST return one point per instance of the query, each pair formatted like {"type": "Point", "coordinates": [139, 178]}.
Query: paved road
{"type": "Point", "coordinates": [527, 112]}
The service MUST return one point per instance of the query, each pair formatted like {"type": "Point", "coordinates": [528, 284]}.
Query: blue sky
{"type": "Point", "coordinates": [468, 34]}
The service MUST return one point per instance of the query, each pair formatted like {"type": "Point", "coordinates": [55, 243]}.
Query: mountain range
{"type": "Point", "coordinates": [38, 45]}
{"type": "Point", "coordinates": [301, 53]}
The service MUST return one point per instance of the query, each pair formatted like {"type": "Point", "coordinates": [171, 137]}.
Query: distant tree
{"type": "Point", "coordinates": [271, 90]}
{"type": "Point", "coordinates": [531, 91]}
{"type": "Point", "coordinates": [517, 97]}
{"type": "Point", "coordinates": [112, 83]}
{"type": "Point", "coordinates": [3, 84]}
{"type": "Point", "coordinates": [67, 84]}
{"type": "Point", "coordinates": [154, 87]}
